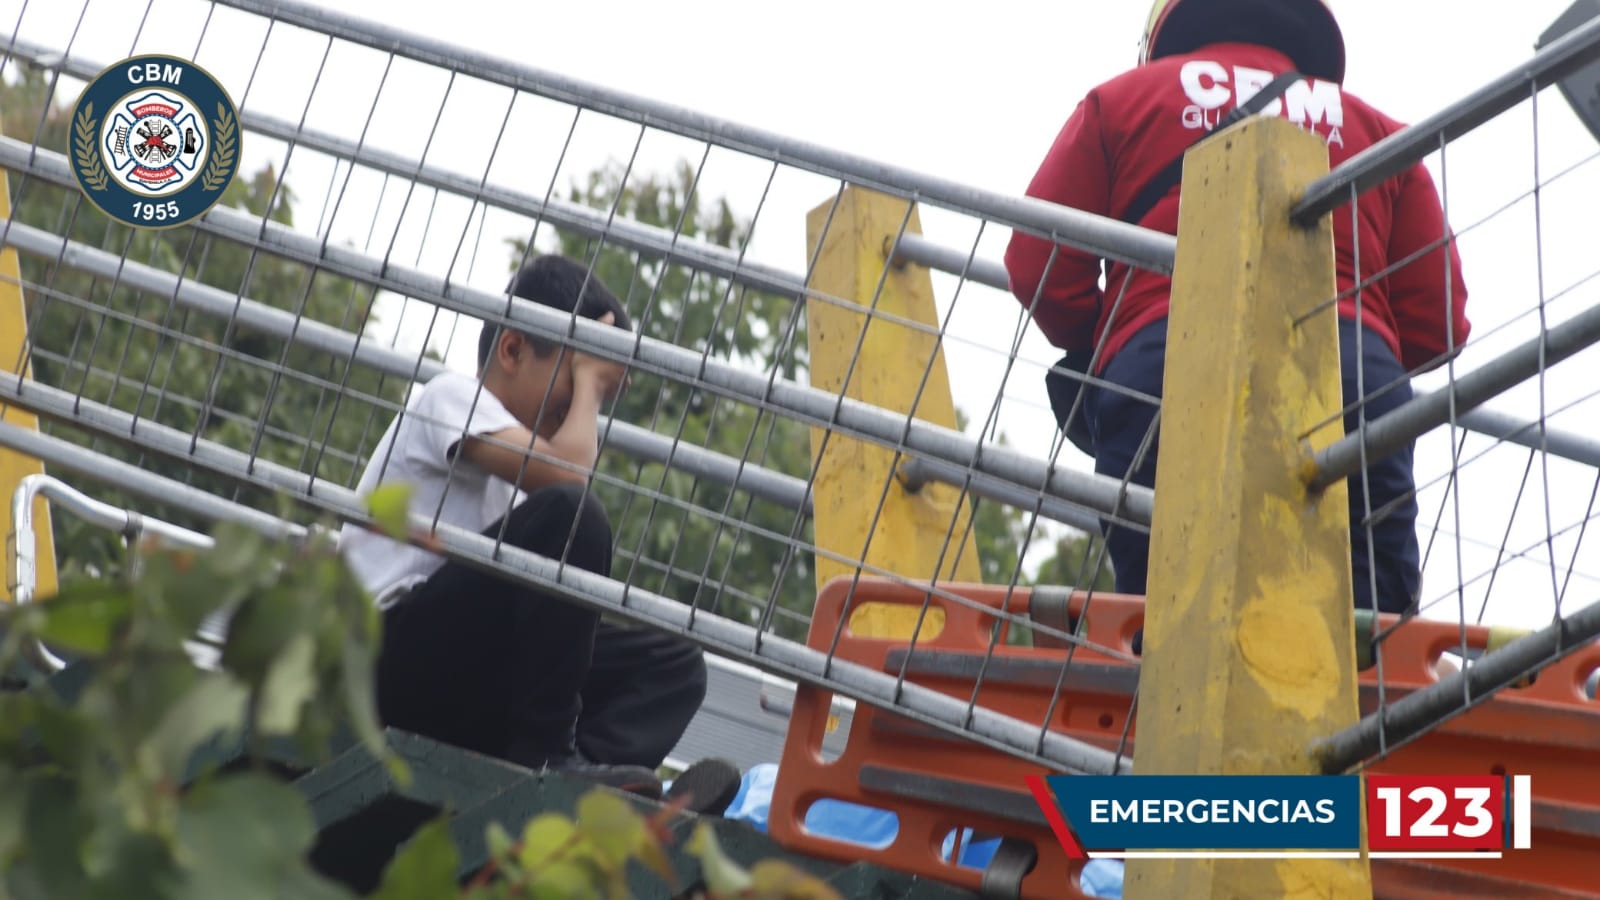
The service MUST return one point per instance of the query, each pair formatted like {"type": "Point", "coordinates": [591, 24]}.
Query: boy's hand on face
{"type": "Point", "coordinates": [603, 375]}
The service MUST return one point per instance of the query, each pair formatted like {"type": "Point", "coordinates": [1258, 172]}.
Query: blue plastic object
{"type": "Point", "coordinates": [835, 819]}
{"type": "Point", "coordinates": [754, 799]}
{"type": "Point", "coordinates": [1101, 878]}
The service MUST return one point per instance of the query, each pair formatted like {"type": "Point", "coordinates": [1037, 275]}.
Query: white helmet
{"type": "Point", "coordinates": [1305, 30]}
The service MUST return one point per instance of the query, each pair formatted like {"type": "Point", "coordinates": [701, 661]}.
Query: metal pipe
{"type": "Point", "coordinates": [811, 405]}
{"type": "Point", "coordinates": [732, 639]}
{"type": "Point", "coordinates": [630, 439]}
{"type": "Point", "coordinates": [1528, 433]}
{"type": "Point", "coordinates": [24, 550]}
{"type": "Point", "coordinates": [247, 229]}
{"type": "Point", "coordinates": [1401, 150]}
{"type": "Point", "coordinates": [637, 442]}
{"type": "Point", "coordinates": [134, 480]}
{"type": "Point", "coordinates": [1422, 414]}
{"type": "Point", "coordinates": [665, 244]}
{"type": "Point", "coordinates": [1094, 234]}
{"type": "Point", "coordinates": [85, 508]}
{"type": "Point", "coordinates": [584, 220]}
{"type": "Point", "coordinates": [1415, 713]}
{"type": "Point", "coordinates": [593, 223]}
{"type": "Point", "coordinates": [61, 454]}
{"type": "Point", "coordinates": [919, 471]}
{"type": "Point", "coordinates": [917, 249]}
{"type": "Point", "coordinates": [64, 455]}
{"type": "Point", "coordinates": [705, 257]}
{"type": "Point", "coordinates": [104, 515]}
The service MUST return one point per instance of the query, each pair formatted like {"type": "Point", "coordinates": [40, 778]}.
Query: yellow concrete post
{"type": "Point", "coordinates": [909, 536]}
{"type": "Point", "coordinates": [15, 466]}
{"type": "Point", "coordinates": [1249, 647]}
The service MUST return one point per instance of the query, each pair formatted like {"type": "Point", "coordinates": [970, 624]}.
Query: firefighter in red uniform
{"type": "Point", "coordinates": [1200, 59]}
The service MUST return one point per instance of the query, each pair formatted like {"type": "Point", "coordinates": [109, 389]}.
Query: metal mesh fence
{"type": "Point", "coordinates": [391, 184]}
{"type": "Point", "coordinates": [383, 200]}
{"type": "Point", "coordinates": [1505, 474]}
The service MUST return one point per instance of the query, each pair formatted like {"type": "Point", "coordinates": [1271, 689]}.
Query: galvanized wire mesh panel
{"type": "Point", "coordinates": [383, 200]}
{"type": "Point", "coordinates": [1505, 470]}
{"type": "Point", "coordinates": [391, 183]}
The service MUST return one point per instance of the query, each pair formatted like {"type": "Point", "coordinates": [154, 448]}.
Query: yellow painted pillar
{"type": "Point", "coordinates": [15, 466]}
{"type": "Point", "coordinates": [1249, 648]}
{"type": "Point", "coordinates": [912, 536]}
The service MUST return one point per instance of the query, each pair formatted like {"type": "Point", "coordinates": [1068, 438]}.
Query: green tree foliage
{"type": "Point", "coordinates": [704, 544]}
{"type": "Point", "coordinates": [687, 554]}
{"type": "Point", "coordinates": [144, 354]}
{"type": "Point", "coordinates": [147, 777]}
{"type": "Point", "coordinates": [112, 785]}
{"type": "Point", "coordinates": [115, 789]}
{"type": "Point", "coordinates": [1002, 534]}
{"type": "Point", "coordinates": [739, 558]}
{"type": "Point", "coordinates": [1079, 560]}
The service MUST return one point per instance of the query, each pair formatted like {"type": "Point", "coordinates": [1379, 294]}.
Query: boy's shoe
{"type": "Point", "coordinates": [635, 780]}
{"type": "Point", "coordinates": [707, 787]}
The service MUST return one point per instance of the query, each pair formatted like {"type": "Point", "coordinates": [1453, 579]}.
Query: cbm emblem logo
{"type": "Point", "coordinates": [155, 141]}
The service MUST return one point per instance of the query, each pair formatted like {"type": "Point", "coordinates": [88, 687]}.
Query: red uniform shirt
{"type": "Point", "coordinates": [1127, 130]}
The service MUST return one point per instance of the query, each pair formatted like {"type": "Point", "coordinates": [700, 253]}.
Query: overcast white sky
{"type": "Point", "coordinates": [974, 93]}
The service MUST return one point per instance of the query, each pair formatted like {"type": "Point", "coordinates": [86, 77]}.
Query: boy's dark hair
{"type": "Point", "coordinates": [560, 283]}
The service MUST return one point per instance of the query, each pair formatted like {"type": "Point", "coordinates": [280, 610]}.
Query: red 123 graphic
{"type": "Point", "coordinates": [1436, 812]}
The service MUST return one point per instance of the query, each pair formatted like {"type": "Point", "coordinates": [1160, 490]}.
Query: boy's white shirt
{"type": "Point", "coordinates": [418, 449]}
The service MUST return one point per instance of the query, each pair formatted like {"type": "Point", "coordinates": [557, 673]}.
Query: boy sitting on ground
{"type": "Point", "coordinates": [492, 665]}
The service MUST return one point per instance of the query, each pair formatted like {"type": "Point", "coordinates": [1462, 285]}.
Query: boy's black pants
{"type": "Point", "coordinates": [1119, 423]}
{"type": "Point", "coordinates": [501, 669]}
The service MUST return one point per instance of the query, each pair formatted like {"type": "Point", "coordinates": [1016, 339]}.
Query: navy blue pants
{"type": "Point", "coordinates": [1119, 423]}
